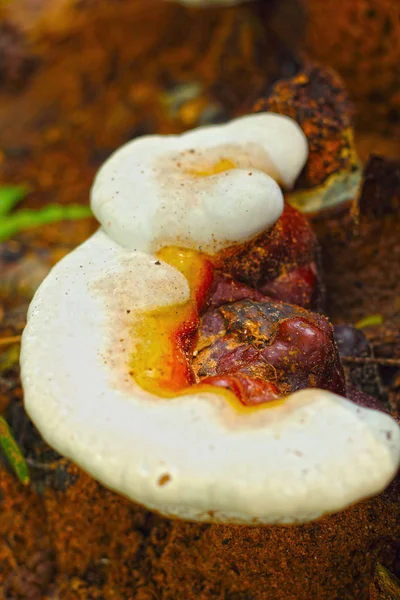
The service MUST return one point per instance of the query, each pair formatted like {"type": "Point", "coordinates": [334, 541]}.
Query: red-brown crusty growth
{"type": "Point", "coordinates": [263, 349]}
{"type": "Point", "coordinates": [282, 262]}
{"type": "Point", "coordinates": [317, 99]}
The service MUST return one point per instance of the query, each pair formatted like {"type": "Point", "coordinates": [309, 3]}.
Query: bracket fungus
{"type": "Point", "coordinates": [108, 354]}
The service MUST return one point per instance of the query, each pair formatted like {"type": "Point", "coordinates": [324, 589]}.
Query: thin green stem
{"type": "Point", "coordinates": [24, 219]}
{"type": "Point", "coordinates": [13, 453]}
{"type": "Point", "coordinates": [10, 196]}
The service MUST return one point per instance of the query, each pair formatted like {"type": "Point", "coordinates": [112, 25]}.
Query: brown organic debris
{"type": "Point", "coordinates": [17, 60]}
{"type": "Point", "coordinates": [317, 99]}
{"type": "Point", "coordinates": [380, 190]}
{"type": "Point", "coordinates": [361, 39]}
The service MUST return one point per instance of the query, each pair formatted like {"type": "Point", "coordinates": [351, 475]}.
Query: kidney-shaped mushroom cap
{"type": "Point", "coordinates": [207, 188]}
{"type": "Point", "coordinates": [195, 456]}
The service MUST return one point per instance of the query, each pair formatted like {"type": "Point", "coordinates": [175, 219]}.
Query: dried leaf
{"type": "Point", "coordinates": [10, 357]}
{"type": "Point", "coordinates": [388, 583]}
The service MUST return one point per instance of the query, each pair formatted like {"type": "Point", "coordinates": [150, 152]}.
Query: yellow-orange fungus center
{"type": "Point", "coordinates": [165, 337]}
{"type": "Point", "coordinates": [222, 165]}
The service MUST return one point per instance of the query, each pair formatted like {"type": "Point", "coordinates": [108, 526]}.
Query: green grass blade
{"type": "Point", "coordinates": [10, 196]}
{"type": "Point", "coordinates": [24, 219]}
{"type": "Point", "coordinates": [13, 453]}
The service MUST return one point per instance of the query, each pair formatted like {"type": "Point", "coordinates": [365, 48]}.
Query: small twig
{"type": "Point", "coordinates": [390, 362]}
{"type": "Point", "coordinates": [10, 340]}
{"type": "Point", "coordinates": [39, 465]}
